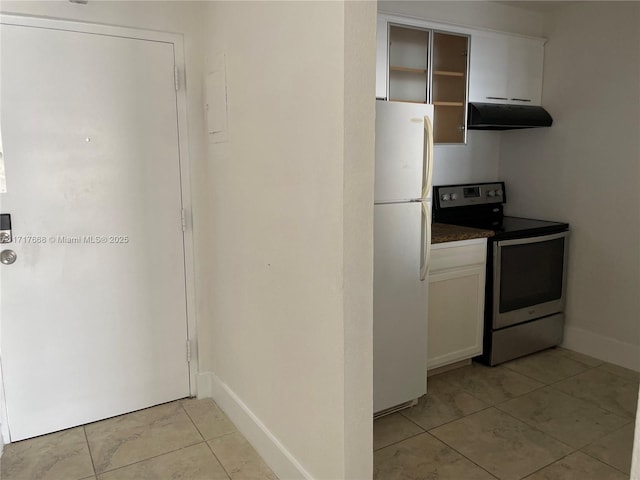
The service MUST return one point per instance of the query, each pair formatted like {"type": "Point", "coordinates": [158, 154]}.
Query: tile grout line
{"type": "Point", "coordinates": [86, 438]}
{"type": "Point", "coordinates": [177, 449]}
{"type": "Point", "coordinates": [462, 454]}
{"type": "Point", "coordinates": [574, 450]}
{"type": "Point", "coordinates": [411, 420]}
{"type": "Point", "coordinates": [463, 390]}
{"type": "Point", "coordinates": [191, 420]}
{"type": "Point", "coordinates": [206, 442]}
{"type": "Point", "coordinates": [602, 461]}
{"type": "Point", "coordinates": [151, 458]}
{"type": "Point", "coordinates": [455, 419]}
{"type": "Point", "coordinates": [635, 380]}
{"type": "Point", "coordinates": [496, 406]}
{"type": "Point", "coordinates": [592, 403]}
{"type": "Point", "coordinates": [528, 474]}
{"type": "Point", "coordinates": [544, 385]}
{"type": "Point", "coordinates": [552, 385]}
{"type": "Point", "coordinates": [202, 435]}
{"type": "Point", "coordinates": [179, 401]}
{"type": "Point", "coordinates": [579, 449]}
{"type": "Point", "coordinates": [548, 465]}
{"type": "Point", "coordinates": [400, 441]}
{"type": "Point", "coordinates": [559, 352]}
{"type": "Point", "coordinates": [604, 410]}
{"type": "Point", "coordinates": [571, 450]}
{"type": "Point", "coordinates": [439, 440]}
{"type": "Point", "coordinates": [218, 460]}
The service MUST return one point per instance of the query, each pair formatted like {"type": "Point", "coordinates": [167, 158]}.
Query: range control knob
{"type": "Point", "coordinates": [499, 193]}
{"type": "Point", "coordinates": [454, 196]}
{"type": "Point", "coordinates": [445, 197]}
{"type": "Point", "coordinates": [491, 193]}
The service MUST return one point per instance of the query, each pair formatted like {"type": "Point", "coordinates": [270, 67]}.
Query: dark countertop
{"type": "Point", "coordinates": [441, 232]}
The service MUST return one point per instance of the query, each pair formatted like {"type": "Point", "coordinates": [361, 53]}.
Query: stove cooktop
{"type": "Point", "coordinates": [481, 206]}
{"type": "Point", "coordinates": [514, 227]}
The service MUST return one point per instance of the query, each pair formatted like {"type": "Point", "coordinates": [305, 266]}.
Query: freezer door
{"type": "Point", "coordinates": [401, 167]}
{"type": "Point", "coordinates": [399, 304]}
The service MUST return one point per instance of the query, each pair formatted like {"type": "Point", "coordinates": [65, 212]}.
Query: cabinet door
{"type": "Point", "coordinates": [488, 69]}
{"type": "Point", "coordinates": [506, 69]}
{"type": "Point", "coordinates": [416, 63]}
{"type": "Point", "coordinates": [382, 53]}
{"type": "Point", "coordinates": [408, 64]}
{"type": "Point", "coordinates": [524, 77]}
{"type": "Point", "coordinates": [456, 315]}
{"type": "Point", "coordinates": [449, 86]}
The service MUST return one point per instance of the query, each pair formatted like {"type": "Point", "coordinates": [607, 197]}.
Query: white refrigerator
{"type": "Point", "coordinates": [402, 243]}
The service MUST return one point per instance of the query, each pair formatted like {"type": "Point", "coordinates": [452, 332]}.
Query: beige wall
{"type": "Point", "coordinates": [288, 267]}
{"type": "Point", "coordinates": [359, 131]}
{"type": "Point", "coordinates": [585, 170]}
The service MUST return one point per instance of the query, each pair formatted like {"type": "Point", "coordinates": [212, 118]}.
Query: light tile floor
{"type": "Point", "coordinates": [186, 439]}
{"type": "Point", "coordinates": [554, 415]}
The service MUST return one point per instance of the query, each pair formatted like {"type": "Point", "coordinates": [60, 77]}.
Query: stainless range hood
{"type": "Point", "coordinates": [494, 116]}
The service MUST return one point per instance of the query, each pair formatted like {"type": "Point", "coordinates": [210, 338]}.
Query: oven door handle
{"type": "Point", "coordinates": [536, 239]}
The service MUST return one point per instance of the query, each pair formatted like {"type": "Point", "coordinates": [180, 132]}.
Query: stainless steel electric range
{"type": "Point", "coordinates": [526, 270]}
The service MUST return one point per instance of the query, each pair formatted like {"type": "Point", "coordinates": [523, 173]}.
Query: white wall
{"type": "Point", "coordinates": [478, 160]}
{"type": "Point", "coordinates": [585, 170]}
{"type": "Point", "coordinates": [288, 268]}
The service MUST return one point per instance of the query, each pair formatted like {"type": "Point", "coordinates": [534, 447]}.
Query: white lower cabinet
{"type": "Point", "coordinates": [456, 301]}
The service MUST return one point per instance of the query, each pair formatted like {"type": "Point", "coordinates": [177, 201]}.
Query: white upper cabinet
{"type": "Point", "coordinates": [524, 81]}
{"type": "Point", "coordinates": [506, 69]}
{"type": "Point", "coordinates": [382, 45]}
{"type": "Point", "coordinates": [425, 62]}
{"type": "Point", "coordinates": [488, 69]}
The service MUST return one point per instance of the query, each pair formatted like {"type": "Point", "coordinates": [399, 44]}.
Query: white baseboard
{"type": "Point", "coordinates": [281, 461]}
{"type": "Point", "coordinates": [601, 347]}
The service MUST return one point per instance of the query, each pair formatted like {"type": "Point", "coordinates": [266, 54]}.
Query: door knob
{"type": "Point", "coordinates": [7, 257]}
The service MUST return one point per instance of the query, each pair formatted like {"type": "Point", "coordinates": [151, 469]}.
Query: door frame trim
{"type": "Point", "coordinates": [177, 40]}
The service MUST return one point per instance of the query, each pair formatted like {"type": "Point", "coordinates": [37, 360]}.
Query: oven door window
{"type": "Point", "coordinates": [531, 274]}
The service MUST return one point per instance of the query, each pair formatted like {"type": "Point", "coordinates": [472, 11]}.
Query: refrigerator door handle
{"type": "Point", "coordinates": [426, 241]}
{"type": "Point", "coordinates": [427, 161]}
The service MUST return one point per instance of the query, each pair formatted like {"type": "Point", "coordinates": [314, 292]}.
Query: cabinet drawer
{"type": "Point", "coordinates": [457, 254]}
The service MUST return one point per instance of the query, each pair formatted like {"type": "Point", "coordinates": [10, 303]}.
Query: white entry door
{"type": "Point", "coordinates": [93, 311]}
